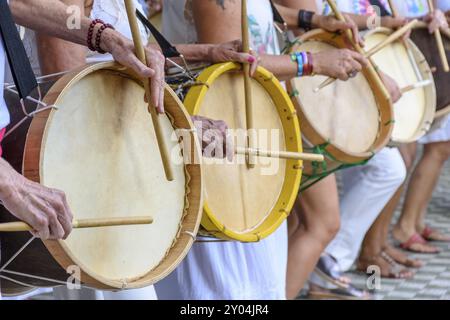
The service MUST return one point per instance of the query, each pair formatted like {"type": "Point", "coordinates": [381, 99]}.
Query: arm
{"type": "Point", "coordinates": [218, 21]}
{"type": "Point", "coordinates": [56, 55]}
{"type": "Point", "coordinates": [50, 17]}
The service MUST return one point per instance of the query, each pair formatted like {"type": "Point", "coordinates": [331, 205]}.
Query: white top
{"type": "Point", "coordinates": [362, 7]}
{"type": "Point", "coordinates": [4, 114]}
{"type": "Point", "coordinates": [229, 270]}
{"type": "Point", "coordinates": [444, 5]}
{"type": "Point", "coordinates": [412, 8]}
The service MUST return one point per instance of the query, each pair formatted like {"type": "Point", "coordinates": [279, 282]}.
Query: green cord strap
{"type": "Point", "coordinates": [290, 45]}
{"type": "Point", "coordinates": [294, 93]}
{"type": "Point", "coordinates": [392, 121]}
{"type": "Point", "coordinates": [320, 169]}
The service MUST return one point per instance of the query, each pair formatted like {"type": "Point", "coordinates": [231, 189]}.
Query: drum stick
{"type": "Point", "coordinates": [280, 154]}
{"type": "Point", "coordinates": [443, 112]}
{"type": "Point", "coordinates": [82, 224]}
{"type": "Point", "coordinates": [440, 43]}
{"type": "Point", "coordinates": [392, 38]}
{"type": "Point", "coordinates": [370, 68]}
{"type": "Point", "coordinates": [140, 52]}
{"type": "Point", "coordinates": [418, 85]}
{"type": "Point", "coordinates": [393, 8]}
{"type": "Point", "coordinates": [247, 84]}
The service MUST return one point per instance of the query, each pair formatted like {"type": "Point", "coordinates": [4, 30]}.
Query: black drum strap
{"type": "Point", "coordinates": [21, 69]}
{"type": "Point", "coordinates": [383, 10]}
{"type": "Point", "coordinates": [168, 50]}
{"type": "Point", "coordinates": [276, 14]}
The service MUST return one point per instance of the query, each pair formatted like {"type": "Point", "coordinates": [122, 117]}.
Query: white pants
{"type": "Point", "coordinates": [231, 271]}
{"type": "Point", "coordinates": [62, 293]}
{"type": "Point", "coordinates": [366, 190]}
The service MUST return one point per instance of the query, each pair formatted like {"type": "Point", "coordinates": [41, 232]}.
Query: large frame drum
{"type": "Point", "coordinates": [427, 44]}
{"type": "Point", "coordinates": [99, 147]}
{"type": "Point", "coordinates": [414, 112]}
{"type": "Point", "coordinates": [347, 121]}
{"type": "Point", "coordinates": [240, 203]}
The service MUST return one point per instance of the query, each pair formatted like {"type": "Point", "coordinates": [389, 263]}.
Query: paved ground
{"type": "Point", "coordinates": [433, 280]}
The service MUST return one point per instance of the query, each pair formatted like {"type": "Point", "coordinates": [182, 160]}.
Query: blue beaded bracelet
{"type": "Point", "coordinates": [299, 58]}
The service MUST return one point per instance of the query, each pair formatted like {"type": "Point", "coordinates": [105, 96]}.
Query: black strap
{"type": "Point", "coordinates": [168, 50]}
{"type": "Point", "coordinates": [383, 10]}
{"type": "Point", "coordinates": [21, 70]}
{"type": "Point", "coordinates": [276, 14]}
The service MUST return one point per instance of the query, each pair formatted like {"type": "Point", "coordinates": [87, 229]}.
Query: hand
{"type": "Point", "coordinates": [332, 24]}
{"type": "Point", "coordinates": [154, 6]}
{"type": "Point", "coordinates": [232, 52]}
{"type": "Point", "coordinates": [392, 86]}
{"type": "Point", "coordinates": [338, 63]}
{"type": "Point", "coordinates": [122, 51]}
{"type": "Point", "coordinates": [396, 23]}
{"type": "Point", "coordinates": [213, 135]}
{"type": "Point", "coordinates": [436, 20]}
{"type": "Point", "coordinates": [44, 209]}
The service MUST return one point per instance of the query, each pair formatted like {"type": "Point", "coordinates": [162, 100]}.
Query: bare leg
{"type": "Point", "coordinates": [318, 211]}
{"type": "Point", "coordinates": [376, 240]}
{"type": "Point", "coordinates": [423, 182]}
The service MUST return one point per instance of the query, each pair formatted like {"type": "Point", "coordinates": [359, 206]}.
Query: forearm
{"type": "Point", "coordinates": [195, 52]}
{"type": "Point", "coordinates": [281, 66]}
{"type": "Point", "coordinates": [5, 179]}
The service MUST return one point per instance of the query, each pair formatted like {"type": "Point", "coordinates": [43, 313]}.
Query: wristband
{"type": "Point", "coordinates": [305, 19]}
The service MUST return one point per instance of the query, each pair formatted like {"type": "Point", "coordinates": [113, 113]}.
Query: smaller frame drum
{"type": "Point", "coordinates": [414, 112]}
{"type": "Point", "coordinates": [347, 121]}
{"type": "Point", "coordinates": [99, 147]}
{"type": "Point", "coordinates": [427, 44]}
{"type": "Point", "coordinates": [240, 203]}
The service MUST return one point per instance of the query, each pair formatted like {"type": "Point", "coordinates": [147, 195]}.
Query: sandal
{"type": "Point", "coordinates": [402, 258]}
{"type": "Point", "coordinates": [328, 269]}
{"type": "Point", "coordinates": [416, 239]}
{"type": "Point", "coordinates": [387, 270]}
{"type": "Point", "coordinates": [401, 273]}
{"type": "Point", "coordinates": [431, 234]}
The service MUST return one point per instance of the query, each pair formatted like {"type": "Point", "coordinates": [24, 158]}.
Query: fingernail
{"type": "Point", "coordinates": [251, 59]}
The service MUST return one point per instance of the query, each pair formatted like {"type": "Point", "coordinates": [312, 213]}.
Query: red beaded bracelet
{"type": "Point", "coordinates": [98, 36]}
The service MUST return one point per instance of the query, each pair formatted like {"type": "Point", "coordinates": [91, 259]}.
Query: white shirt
{"type": "Point", "coordinates": [411, 8]}
{"type": "Point", "coordinates": [4, 114]}
{"type": "Point", "coordinates": [444, 5]}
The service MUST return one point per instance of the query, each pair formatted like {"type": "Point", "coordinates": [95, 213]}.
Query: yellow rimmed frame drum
{"type": "Point", "coordinates": [248, 204]}
{"type": "Point", "coordinates": [414, 112]}
{"type": "Point", "coordinates": [347, 121]}
{"type": "Point", "coordinates": [99, 147]}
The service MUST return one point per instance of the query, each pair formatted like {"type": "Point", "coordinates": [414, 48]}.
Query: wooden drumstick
{"type": "Point", "coordinates": [415, 86]}
{"type": "Point", "coordinates": [140, 52]}
{"type": "Point", "coordinates": [247, 84]}
{"type": "Point", "coordinates": [440, 43]}
{"type": "Point", "coordinates": [82, 223]}
{"type": "Point", "coordinates": [392, 38]}
{"type": "Point", "coordinates": [280, 154]}
{"type": "Point", "coordinates": [393, 8]}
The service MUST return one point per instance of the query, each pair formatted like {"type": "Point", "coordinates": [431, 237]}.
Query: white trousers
{"type": "Point", "coordinates": [62, 293]}
{"type": "Point", "coordinates": [366, 190]}
{"type": "Point", "coordinates": [231, 271]}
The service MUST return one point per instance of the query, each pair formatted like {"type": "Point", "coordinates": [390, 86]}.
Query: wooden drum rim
{"type": "Point", "coordinates": [293, 173]}
{"type": "Point", "coordinates": [385, 108]}
{"type": "Point", "coordinates": [430, 95]}
{"type": "Point", "coordinates": [190, 225]}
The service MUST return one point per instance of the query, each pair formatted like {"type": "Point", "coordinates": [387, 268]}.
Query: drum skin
{"type": "Point", "coordinates": [414, 112]}
{"type": "Point", "coordinates": [110, 172]}
{"type": "Point", "coordinates": [427, 44]}
{"type": "Point", "coordinates": [244, 204]}
{"type": "Point", "coordinates": [349, 120]}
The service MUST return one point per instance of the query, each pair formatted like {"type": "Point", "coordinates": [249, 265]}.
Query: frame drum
{"type": "Point", "coordinates": [347, 121]}
{"type": "Point", "coordinates": [247, 204]}
{"type": "Point", "coordinates": [427, 44]}
{"type": "Point", "coordinates": [99, 147]}
{"type": "Point", "coordinates": [414, 112]}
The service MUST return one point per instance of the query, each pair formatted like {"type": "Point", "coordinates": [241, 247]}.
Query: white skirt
{"type": "Point", "coordinates": [231, 271]}
{"type": "Point", "coordinates": [440, 134]}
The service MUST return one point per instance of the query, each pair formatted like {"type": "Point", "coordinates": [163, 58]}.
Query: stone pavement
{"type": "Point", "coordinates": [433, 280]}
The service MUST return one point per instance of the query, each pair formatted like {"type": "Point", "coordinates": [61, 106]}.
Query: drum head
{"type": "Point", "coordinates": [414, 112]}
{"type": "Point", "coordinates": [248, 204]}
{"type": "Point", "coordinates": [346, 118]}
{"type": "Point", "coordinates": [99, 147]}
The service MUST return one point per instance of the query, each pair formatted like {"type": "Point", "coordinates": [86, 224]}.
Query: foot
{"type": "Point", "coordinates": [328, 269]}
{"type": "Point", "coordinates": [430, 234]}
{"type": "Point", "coordinates": [413, 242]}
{"type": "Point", "coordinates": [350, 293]}
{"type": "Point", "coordinates": [386, 269]}
{"type": "Point", "coordinates": [401, 258]}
